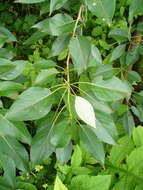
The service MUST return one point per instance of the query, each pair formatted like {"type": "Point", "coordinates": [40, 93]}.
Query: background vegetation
{"type": "Point", "coordinates": [71, 99]}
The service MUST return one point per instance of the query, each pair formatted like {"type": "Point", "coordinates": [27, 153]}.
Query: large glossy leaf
{"type": "Point", "coordinates": [32, 104]}
{"type": "Point", "coordinates": [57, 25]}
{"type": "Point", "coordinates": [85, 111]}
{"type": "Point", "coordinates": [91, 143]}
{"type": "Point", "coordinates": [80, 50]}
{"type": "Point", "coordinates": [102, 8]}
{"type": "Point", "coordinates": [110, 90]}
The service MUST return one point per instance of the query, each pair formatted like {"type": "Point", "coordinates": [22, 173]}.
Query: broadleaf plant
{"type": "Point", "coordinates": [71, 94]}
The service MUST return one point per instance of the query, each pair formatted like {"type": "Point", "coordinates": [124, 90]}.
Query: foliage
{"type": "Point", "coordinates": [71, 94]}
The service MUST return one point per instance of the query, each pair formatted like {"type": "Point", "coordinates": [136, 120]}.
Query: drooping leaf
{"type": "Point", "coordinates": [91, 143]}
{"type": "Point", "coordinates": [64, 154]}
{"type": "Point", "coordinates": [85, 111]}
{"type": "Point", "coordinates": [34, 103]}
{"type": "Point", "coordinates": [41, 147]}
{"type": "Point", "coordinates": [59, 45]}
{"type": "Point", "coordinates": [59, 131]}
{"type": "Point", "coordinates": [12, 148]}
{"type": "Point", "coordinates": [80, 50]}
{"type": "Point", "coordinates": [102, 8]}
{"type": "Point", "coordinates": [76, 159]}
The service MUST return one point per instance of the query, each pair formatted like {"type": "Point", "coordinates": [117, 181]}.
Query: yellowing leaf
{"type": "Point", "coordinates": [59, 185]}
{"type": "Point", "coordinates": [85, 111]}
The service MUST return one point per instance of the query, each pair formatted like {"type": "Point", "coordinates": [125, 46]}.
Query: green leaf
{"type": "Point", "coordinates": [120, 35]}
{"type": "Point", "coordinates": [63, 155]}
{"type": "Point", "coordinates": [41, 147]}
{"type": "Point", "coordinates": [29, 1]}
{"type": "Point", "coordinates": [59, 45]}
{"type": "Point", "coordinates": [8, 165]}
{"type": "Point", "coordinates": [57, 25]}
{"type": "Point", "coordinates": [44, 75]}
{"type": "Point", "coordinates": [59, 185]}
{"type": "Point", "coordinates": [102, 8]}
{"type": "Point", "coordinates": [5, 65]}
{"type": "Point", "coordinates": [132, 56]}
{"type": "Point", "coordinates": [128, 123]}
{"type": "Point", "coordinates": [121, 151]}
{"type": "Point", "coordinates": [76, 159]}
{"type": "Point", "coordinates": [12, 148]}
{"type": "Point", "coordinates": [85, 111]}
{"type": "Point", "coordinates": [56, 4]}
{"type": "Point", "coordinates": [18, 68]}
{"type": "Point", "coordinates": [35, 37]}
{"type": "Point", "coordinates": [9, 88]}
{"type": "Point", "coordinates": [118, 52]}
{"type": "Point", "coordinates": [135, 9]}
{"type": "Point", "coordinates": [87, 182]}
{"type": "Point", "coordinates": [137, 136]}
{"type": "Point", "coordinates": [134, 161]}
{"type": "Point", "coordinates": [34, 103]}
{"type": "Point", "coordinates": [17, 130]}
{"type": "Point", "coordinates": [91, 143]}
{"type": "Point", "coordinates": [110, 90]}
{"type": "Point", "coordinates": [80, 50]}
{"type": "Point", "coordinates": [106, 129]}
{"type": "Point", "coordinates": [26, 186]}
{"type": "Point", "coordinates": [9, 37]}
{"type": "Point", "coordinates": [106, 71]}
{"type": "Point", "coordinates": [59, 131]}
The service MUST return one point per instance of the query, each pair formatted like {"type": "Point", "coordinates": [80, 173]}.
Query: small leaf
{"type": "Point", "coordinates": [80, 50]}
{"type": "Point", "coordinates": [118, 51]}
{"type": "Point", "coordinates": [85, 111]}
{"type": "Point", "coordinates": [59, 185]}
